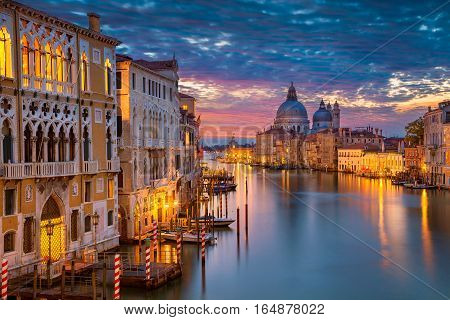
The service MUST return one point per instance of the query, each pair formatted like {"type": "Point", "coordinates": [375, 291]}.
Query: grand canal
{"type": "Point", "coordinates": [315, 235]}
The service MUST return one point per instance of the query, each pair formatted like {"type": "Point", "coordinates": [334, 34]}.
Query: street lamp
{"type": "Point", "coordinates": [49, 227]}
{"type": "Point", "coordinates": [95, 218]}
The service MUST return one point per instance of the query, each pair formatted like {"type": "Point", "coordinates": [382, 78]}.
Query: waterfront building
{"type": "Point", "coordinates": [320, 150]}
{"type": "Point", "coordinates": [415, 161]}
{"type": "Point", "coordinates": [435, 155]}
{"type": "Point", "coordinates": [381, 164]}
{"type": "Point", "coordinates": [58, 156]}
{"type": "Point", "coordinates": [190, 153]}
{"type": "Point", "coordinates": [350, 158]}
{"type": "Point", "coordinates": [151, 143]}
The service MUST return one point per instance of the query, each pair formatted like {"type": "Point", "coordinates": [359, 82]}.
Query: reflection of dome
{"type": "Point", "coordinates": [291, 114]}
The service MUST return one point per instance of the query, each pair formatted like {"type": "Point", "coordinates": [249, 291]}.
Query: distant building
{"type": "Point", "coordinates": [320, 150]}
{"type": "Point", "coordinates": [435, 146]}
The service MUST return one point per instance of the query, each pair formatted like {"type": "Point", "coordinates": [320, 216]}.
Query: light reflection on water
{"type": "Point", "coordinates": [292, 252]}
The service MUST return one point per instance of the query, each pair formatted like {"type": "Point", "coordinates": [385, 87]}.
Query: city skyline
{"type": "Point", "coordinates": [241, 62]}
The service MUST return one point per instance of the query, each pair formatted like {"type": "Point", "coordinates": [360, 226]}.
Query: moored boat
{"type": "Point", "coordinates": [191, 237]}
{"type": "Point", "coordinates": [218, 222]}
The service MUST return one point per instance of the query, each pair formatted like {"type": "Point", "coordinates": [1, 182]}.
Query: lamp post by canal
{"type": "Point", "coordinates": [95, 218]}
{"type": "Point", "coordinates": [49, 230]}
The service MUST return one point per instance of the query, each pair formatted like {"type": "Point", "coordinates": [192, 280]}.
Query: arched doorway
{"type": "Point", "coordinates": [52, 245]}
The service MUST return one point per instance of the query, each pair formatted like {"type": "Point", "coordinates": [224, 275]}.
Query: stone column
{"type": "Point", "coordinates": [1, 147]}
{"type": "Point", "coordinates": [56, 148]}
{"type": "Point", "coordinates": [33, 148]}
{"type": "Point", "coordinates": [44, 148]}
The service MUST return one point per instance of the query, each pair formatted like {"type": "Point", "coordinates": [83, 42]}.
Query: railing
{"type": "Point", "coordinates": [53, 86]}
{"type": "Point", "coordinates": [90, 167]}
{"type": "Point", "coordinates": [153, 143]}
{"type": "Point", "coordinates": [114, 165]}
{"type": "Point", "coordinates": [42, 169]}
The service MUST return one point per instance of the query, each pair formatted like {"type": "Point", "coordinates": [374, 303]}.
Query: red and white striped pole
{"type": "Point", "coordinates": [147, 262]}
{"type": "Point", "coordinates": [203, 244]}
{"type": "Point", "coordinates": [155, 235]}
{"type": "Point", "coordinates": [179, 247]}
{"type": "Point", "coordinates": [4, 276]}
{"type": "Point", "coordinates": [116, 295]}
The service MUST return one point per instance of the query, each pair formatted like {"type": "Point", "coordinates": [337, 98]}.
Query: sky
{"type": "Point", "coordinates": [385, 62]}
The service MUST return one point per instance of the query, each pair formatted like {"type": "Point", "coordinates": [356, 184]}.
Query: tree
{"type": "Point", "coordinates": [414, 132]}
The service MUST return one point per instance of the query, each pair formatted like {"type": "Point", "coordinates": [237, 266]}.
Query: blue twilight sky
{"type": "Point", "coordinates": [238, 57]}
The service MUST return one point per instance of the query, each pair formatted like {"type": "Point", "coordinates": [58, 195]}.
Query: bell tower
{"type": "Point", "coordinates": [336, 113]}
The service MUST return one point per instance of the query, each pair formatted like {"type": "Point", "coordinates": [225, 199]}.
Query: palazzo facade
{"type": "Point", "coordinates": [58, 153]}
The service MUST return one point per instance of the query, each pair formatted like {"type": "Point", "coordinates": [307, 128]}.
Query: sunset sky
{"type": "Point", "coordinates": [384, 63]}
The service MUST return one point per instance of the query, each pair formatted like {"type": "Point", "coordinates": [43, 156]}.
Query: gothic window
{"type": "Point", "coordinates": [48, 65]}
{"type": "Point", "coordinates": [28, 144]}
{"type": "Point", "coordinates": [86, 155]}
{"type": "Point", "coordinates": [51, 145]}
{"type": "Point", "coordinates": [74, 225]}
{"type": "Point", "coordinates": [39, 144]}
{"type": "Point", "coordinates": [59, 67]}
{"type": "Point", "coordinates": [25, 60]}
{"type": "Point", "coordinates": [9, 241]}
{"type": "Point", "coordinates": [5, 53]}
{"type": "Point", "coordinates": [72, 144]}
{"type": "Point", "coordinates": [37, 63]}
{"type": "Point", "coordinates": [84, 72]}
{"type": "Point", "coordinates": [28, 235]}
{"type": "Point", "coordinates": [68, 65]}
{"type": "Point", "coordinates": [62, 145]}
{"type": "Point", "coordinates": [7, 143]}
{"type": "Point", "coordinates": [108, 77]}
{"type": "Point", "coordinates": [108, 144]}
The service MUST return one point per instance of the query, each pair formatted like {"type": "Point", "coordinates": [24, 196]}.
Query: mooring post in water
{"type": "Point", "coordinates": [147, 262]}
{"type": "Point", "coordinates": [63, 281]}
{"type": "Point", "coordinates": [203, 247]}
{"type": "Point", "coordinates": [104, 280]}
{"type": "Point", "coordinates": [237, 221]}
{"type": "Point", "coordinates": [246, 207]}
{"type": "Point", "coordinates": [72, 274]}
{"type": "Point", "coordinates": [226, 204]}
{"type": "Point", "coordinates": [220, 201]}
{"type": "Point", "coordinates": [116, 294]}
{"type": "Point", "coordinates": [35, 277]}
{"type": "Point", "coordinates": [179, 247]}
{"type": "Point", "coordinates": [94, 285]}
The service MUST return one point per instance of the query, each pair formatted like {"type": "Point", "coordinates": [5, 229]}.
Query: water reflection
{"type": "Point", "coordinates": [291, 252]}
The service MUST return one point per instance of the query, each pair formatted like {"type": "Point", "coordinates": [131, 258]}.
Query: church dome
{"type": "Point", "coordinates": [322, 114]}
{"type": "Point", "coordinates": [292, 108]}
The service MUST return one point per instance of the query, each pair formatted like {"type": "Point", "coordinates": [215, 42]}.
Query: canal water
{"type": "Point", "coordinates": [316, 235]}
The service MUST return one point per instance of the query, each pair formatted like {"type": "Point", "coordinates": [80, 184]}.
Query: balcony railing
{"type": "Point", "coordinates": [38, 170]}
{"type": "Point", "coordinates": [114, 165]}
{"type": "Point", "coordinates": [51, 86]}
{"type": "Point", "coordinates": [154, 143]}
{"type": "Point", "coordinates": [90, 167]}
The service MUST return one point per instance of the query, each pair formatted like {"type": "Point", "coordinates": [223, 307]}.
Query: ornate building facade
{"type": "Point", "coordinates": [58, 155]}
{"type": "Point", "coordinates": [150, 144]}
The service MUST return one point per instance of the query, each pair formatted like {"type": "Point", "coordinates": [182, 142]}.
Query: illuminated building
{"type": "Point", "coordinates": [58, 145]}
{"type": "Point", "coordinates": [150, 143]}
{"type": "Point", "coordinates": [435, 147]}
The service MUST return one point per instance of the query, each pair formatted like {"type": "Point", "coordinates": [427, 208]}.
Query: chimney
{"type": "Point", "coordinates": [94, 21]}
{"type": "Point", "coordinates": [376, 132]}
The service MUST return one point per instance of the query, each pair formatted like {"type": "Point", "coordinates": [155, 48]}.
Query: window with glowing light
{"type": "Point", "coordinates": [5, 53]}
{"type": "Point", "coordinates": [38, 71]}
{"type": "Point", "coordinates": [25, 60]}
{"type": "Point", "coordinates": [84, 72]}
{"type": "Point", "coordinates": [108, 77]}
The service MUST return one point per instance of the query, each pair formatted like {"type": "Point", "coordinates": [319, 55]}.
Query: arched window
{"type": "Point", "coordinates": [39, 144]}
{"type": "Point", "coordinates": [120, 179]}
{"type": "Point", "coordinates": [7, 143]}
{"type": "Point", "coordinates": [68, 66]}
{"type": "Point", "coordinates": [48, 66]}
{"type": "Point", "coordinates": [108, 77]}
{"type": "Point", "coordinates": [84, 72]}
{"type": "Point", "coordinates": [108, 144]}
{"type": "Point", "coordinates": [9, 241]}
{"type": "Point", "coordinates": [25, 60]}
{"type": "Point", "coordinates": [5, 53]}
{"type": "Point", "coordinates": [62, 145]}
{"type": "Point", "coordinates": [72, 143]}
{"type": "Point", "coordinates": [28, 144]}
{"type": "Point", "coordinates": [59, 67]}
{"type": "Point", "coordinates": [38, 72]}
{"type": "Point", "coordinates": [51, 145]}
{"type": "Point", "coordinates": [86, 155]}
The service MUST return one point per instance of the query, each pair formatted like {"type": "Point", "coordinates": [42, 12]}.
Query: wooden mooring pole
{"type": "Point", "coordinates": [63, 281]}
{"type": "Point", "coordinates": [94, 285]}
{"type": "Point", "coordinates": [72, 274]}
{"type": "Point", "coordinates": [35, 278]}
{"type": "Point", "coordinates": [104, 281]}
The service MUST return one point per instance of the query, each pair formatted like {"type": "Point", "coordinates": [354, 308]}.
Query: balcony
{"type": "Point", "coordinates": [113, 165]}
{"type": "Point", "coordinates": [38, 170]}
{"type": "Point", "coordinates": [90, 167]}
{"type": "Point", "coordinates": [154, 143]}
{"type": "Point", "coordinates": [47, 85]}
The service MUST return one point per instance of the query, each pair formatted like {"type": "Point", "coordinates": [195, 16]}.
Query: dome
{"type": "Point", "coordinates": [292, 108]}
{"type": "Point", "coordinates": [322, 114]}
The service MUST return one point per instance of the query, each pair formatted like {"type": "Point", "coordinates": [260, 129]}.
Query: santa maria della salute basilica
{"type": "Point", "coordinates": [293, 117]}
{"type": "Point", "coordinates": [284, 143]}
